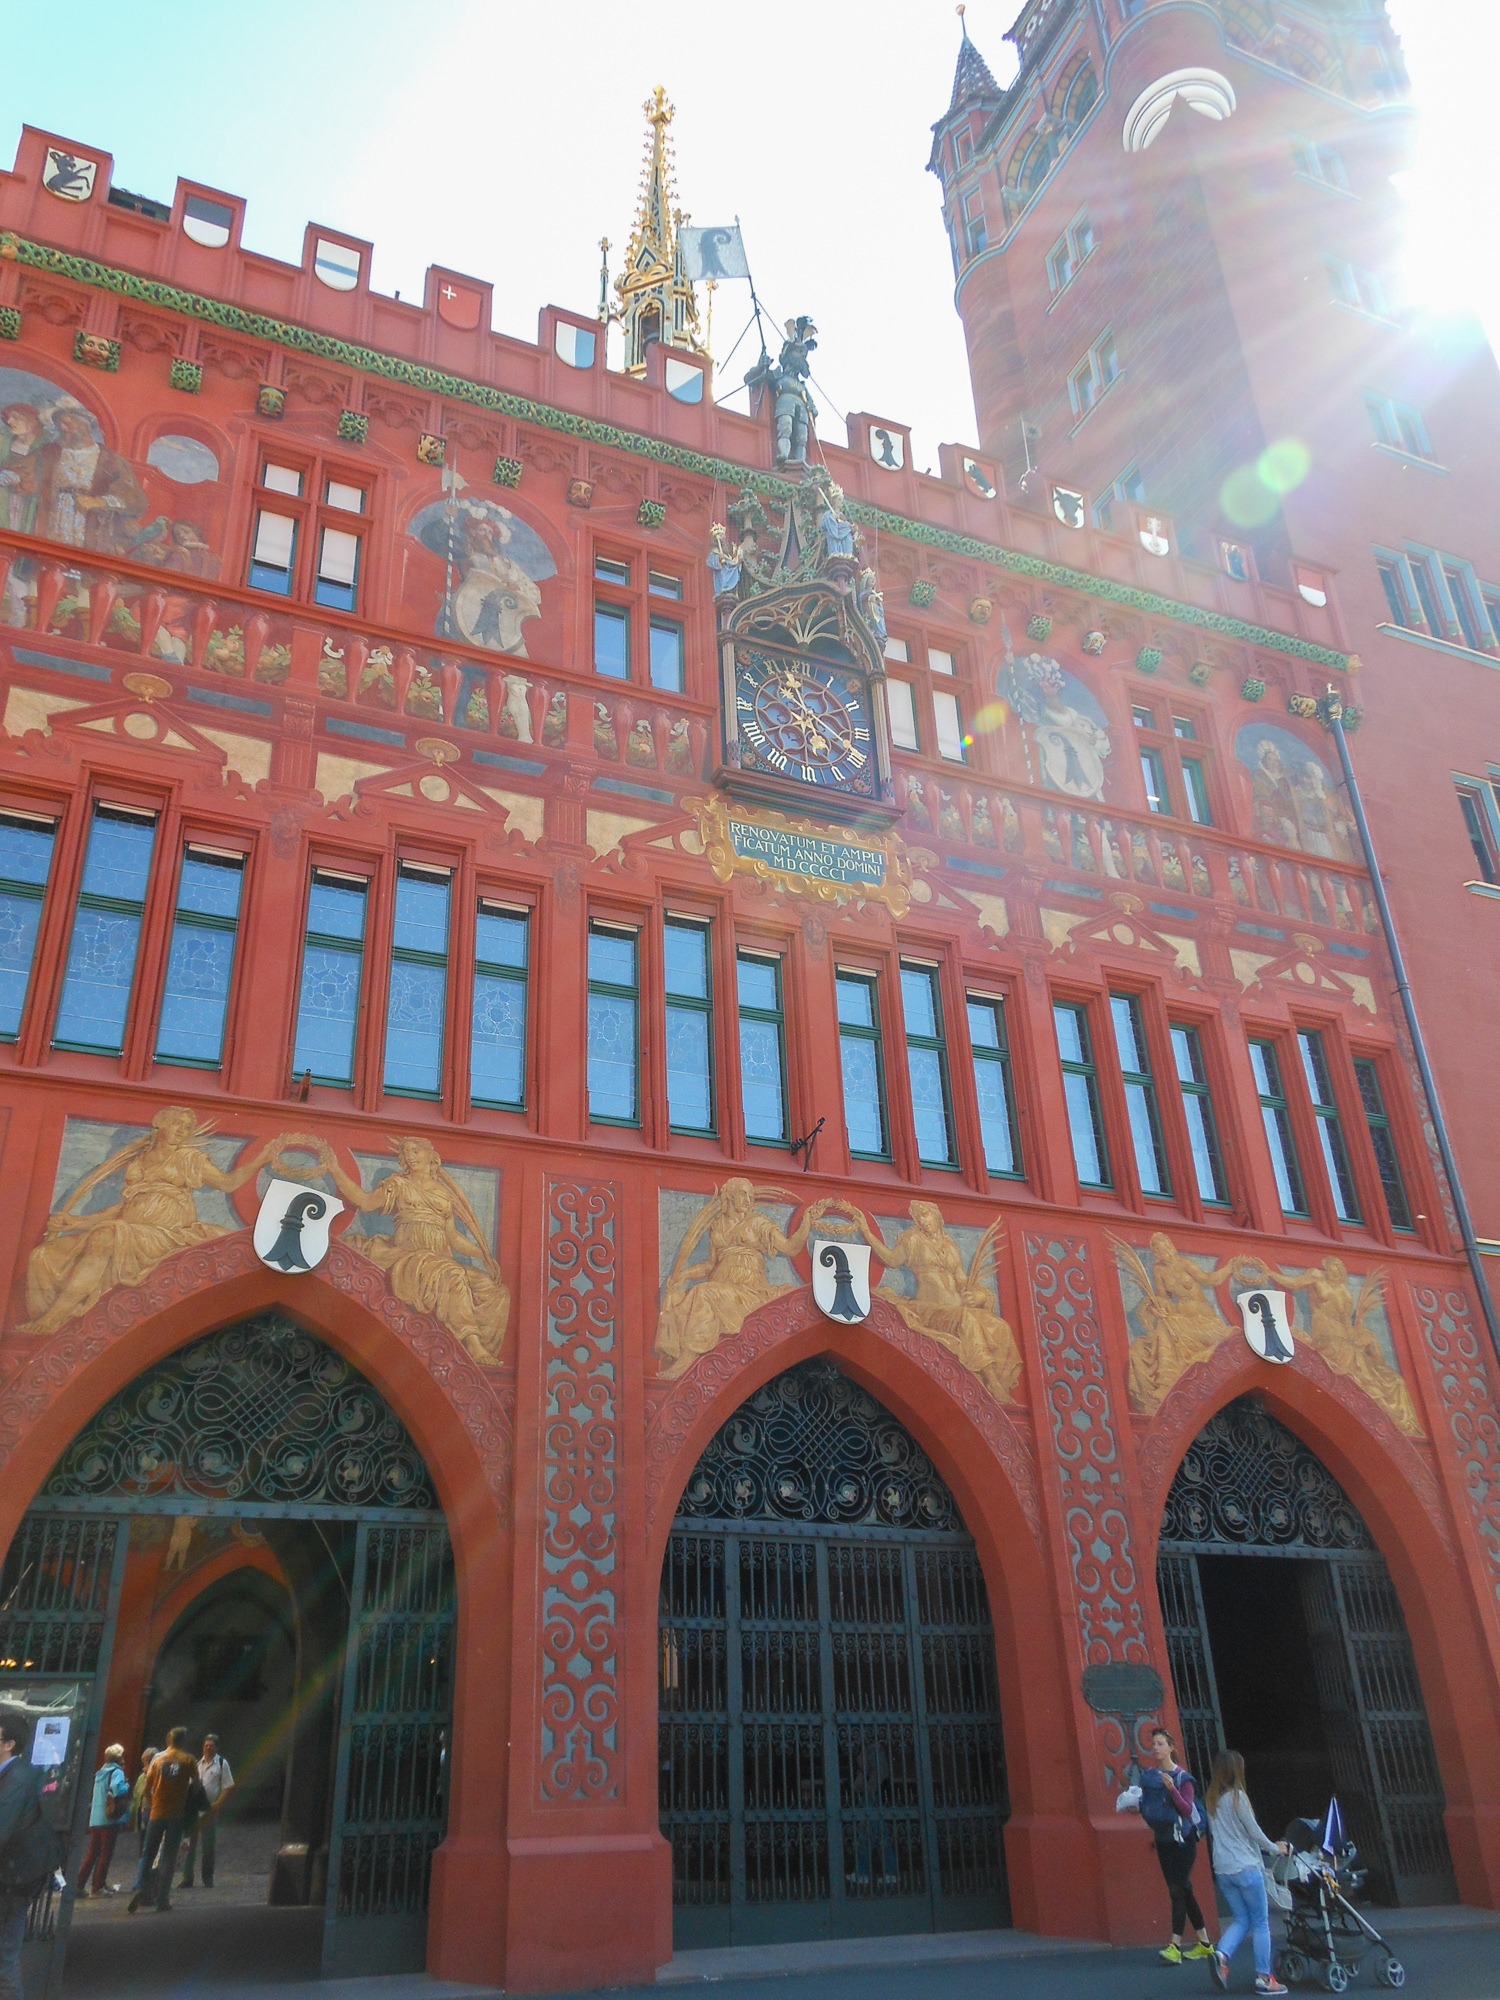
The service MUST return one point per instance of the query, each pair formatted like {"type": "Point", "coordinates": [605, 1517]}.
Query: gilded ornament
{"type": "Point", "coordinates": [704, 1303]}
{"type": "Point", "coordinates": [431, 449]}
{"type": "Point", "coordinates": [1094, 643]}
{"type": "Point", "coordinates": [980, 609]}
{"type": "Point", "coordinates": [1199, 673]}
{"type": "Point", "coordinates": [580, 492]}
{"type": "Point", "coordinates": [270, 401]}
{"type": "Point", "coordinates": [94, 350]}
{"type": "Point", "coordinates": [874, 868]}
{"type": "Point", "coordinates": [953, 1303]}
{"type": "Point", "coordinates": [1342, 1328]}
{"type": "Point", "coordinates": [1178, 1312]}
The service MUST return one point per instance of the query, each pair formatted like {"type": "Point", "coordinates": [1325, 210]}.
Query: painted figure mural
{"type": "Point", "coordinates": [1296, 802]}
{"type": "Point", "coordinates": [494, 565]}
{"type": "Point", "coordinates": [705, 1301]}
{"type": "Point", "coordinates": [1343, 1318]}
{"type": "Point", "coordinates": [1066, 732]}
{"type": "Point", "coordinates": [87, 1252]}
{"type": "Point", "coordinates": [61, 482]}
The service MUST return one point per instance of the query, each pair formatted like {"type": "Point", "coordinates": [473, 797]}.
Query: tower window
{"type": "Point", "coordinates": [1071, 249]}
{"type": "Point", "coordinates": [1321, 163]}
{"type": "Point", "coordinates": [1479, 825]}
{"type": "Point", "coordinates": [976, 229]}
{"type": "Point", "coordinates": [1094, 374]}
{"type": "Point", "coordinates": [1398, 425]}
{"type": "Point", "coordinates": [1129, 489]}
{"type": "Point", "coordinates": [1359, 289]}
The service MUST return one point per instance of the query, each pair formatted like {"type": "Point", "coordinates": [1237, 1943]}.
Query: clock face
{"type": "Point", "coordinates": [806, 720]}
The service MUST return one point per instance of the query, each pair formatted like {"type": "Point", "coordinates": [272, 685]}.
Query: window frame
{"type": "Point", "coordinates": [1482, 825]}
{"type": "Point", "coordinates": [1329, 1125]}
{"type": "Point", "coordinates": [1139, 1087]}
{"type": "Point", "coordinates": [1372, 1067]}
{"type": "Point", "coordinates": [635, 590]}
{"type": "Point", "coordinates": [764, 954]}
{"type": "Point", "coordinates": [1199, 1091]}
{"type": "Point", "coordinates": [936, 1045]}
{"type": "Point", "coordinates": [1100, 370]}
{"type": "Point", "coordinates": [1276, 1105]}
{"type": "Point", "coordinates": [872, 1035]}
{"type": "Point", "coordinates": [411, 868]}
{"type": "Point", "coordinates": [1126, 489]}
{"type": "Point", "coordinates": [196, 847]}
{"type": "Point", "coordinates": [342, 873]}
{"type": "Point", "coordinates": [616, 927]}
{"type": "Point", "coordinates": [1002, 1057]}
{"type": "Point", "coordinates": [1186, 724]}
{"type": "Point", "coordinates": [490, 902]}
{"type": "Point", "coordinates": [30, 820]}
{"type": "Point", "coordinates": [702, 1008]}
{"type": "Point", "coordinates": [102, 808]}
{"type": "Point", "coordinates": [312, 515]}
{"type": "Point", "coordinates": [1387, 418]}
{"type": "Point", "coordinates": [1086, 1068]}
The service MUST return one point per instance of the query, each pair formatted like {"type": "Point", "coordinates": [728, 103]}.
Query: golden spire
{"type": "Point", "coordinates": [657, 302]}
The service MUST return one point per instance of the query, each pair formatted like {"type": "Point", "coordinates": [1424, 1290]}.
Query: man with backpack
{"type": "Point", "coordinates": [28, 1846]}
{"type": "Point", "coordinates": [174, 1797]}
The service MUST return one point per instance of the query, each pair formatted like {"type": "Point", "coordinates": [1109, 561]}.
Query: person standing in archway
{"type": "Point", "coordinates": [1169, 1808]}
{"type": "Point", "coordinates": [108, 1811]}
{"type": "Point", "coordinates": [217, 1781]}
{"type": "Point", "coordinates": [1238, 1848]}
{"type": "Point", "coordinates": [169, 1787]}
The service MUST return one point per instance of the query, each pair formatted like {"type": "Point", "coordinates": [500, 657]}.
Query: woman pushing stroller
{"type": "Point", "coordinates": [1239, 1853]}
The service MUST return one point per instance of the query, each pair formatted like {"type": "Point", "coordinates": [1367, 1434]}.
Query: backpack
{"type": "Point", "coordinates": [197, 1800]}
{"type": "Point", "coordinates": [32, 1856]}
{"type": "Point", "coordinates": [1163, 1818]}
{"type": "Point", "coordinates": [116, 1804]}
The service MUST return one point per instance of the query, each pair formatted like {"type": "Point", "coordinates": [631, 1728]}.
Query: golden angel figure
{"type": "Point", "coordinates": [435, 1257]}
{"type": "Point", "coordinates": [953, 1304]}
{"type": "Point", "coordinates": [704, 1304]}
{"type": "Point", "coordinates": [1179, 1312]}
{"type": "Point", "coordinates": [81, 1257]}
{"type": "Point", "coordinates": [1343, 1331]}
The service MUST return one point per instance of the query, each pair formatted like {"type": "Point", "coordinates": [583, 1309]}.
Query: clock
{"type": "Point", "coordinates": [805, 722]}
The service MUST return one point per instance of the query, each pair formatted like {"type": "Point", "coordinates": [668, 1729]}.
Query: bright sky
{"type": "Point", "coordinates": [505, 142]}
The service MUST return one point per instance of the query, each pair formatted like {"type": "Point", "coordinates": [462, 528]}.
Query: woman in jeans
{"type": "Point", "coordinates": [1239, 1849]}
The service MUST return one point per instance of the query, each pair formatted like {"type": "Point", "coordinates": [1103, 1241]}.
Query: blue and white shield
{"type": "Point", "coordinates": [1268, 1325]}
{"type": "Point", "coordinates": [841, 1278]}
{"type": "Point", "coordinates": [291, 1231]}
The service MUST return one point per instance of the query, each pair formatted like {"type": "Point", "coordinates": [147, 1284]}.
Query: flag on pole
{"type": "Point", "coordinates": [713, 253]}
{"type": "Point", "coordinates": [1333, 1831]}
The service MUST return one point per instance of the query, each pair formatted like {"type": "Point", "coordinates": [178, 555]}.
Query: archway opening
{"type": "Point", "coordinates": [1287, 1642]}
{"type": "Point", "coordinates": [245, 1541]}
{"type": "Point", "coordinates": [830, 1750]}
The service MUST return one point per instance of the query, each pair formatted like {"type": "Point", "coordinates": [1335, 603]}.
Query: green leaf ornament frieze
{"type": "Point", "coordinates": [592, 430]}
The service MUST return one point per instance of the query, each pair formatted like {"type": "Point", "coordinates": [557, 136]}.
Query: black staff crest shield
{"type": "Point", "coordinates": [841, 1278]}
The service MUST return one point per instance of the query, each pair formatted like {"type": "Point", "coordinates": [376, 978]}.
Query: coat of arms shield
{"type": "Point", "coordinates": [1268, 1324]}
{"type": "Point", "coordinates": [291, 1231]}
{"type": "Point", "coordinates": [841, 1278]}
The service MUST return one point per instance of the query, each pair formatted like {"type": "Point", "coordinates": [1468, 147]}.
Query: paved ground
{"type": "Point", "coordinates": [208, 1948]}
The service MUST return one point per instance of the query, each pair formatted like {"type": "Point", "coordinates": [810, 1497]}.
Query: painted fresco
{"type": "Point", "coordinates": [1172, 1314]}
{"type": "Point", "coordinates": [59, 480]}
{"type": "Point", "coordinates": [940, 1277]}
{"type": "Point", "coordinates": [731, 1255]}
{"type": "Point", "coordinates": [486, 568]}
{"type": "Point", "coordinates": [1064, 730]}
{"type": "Point", "coordinates": [1297, 803]}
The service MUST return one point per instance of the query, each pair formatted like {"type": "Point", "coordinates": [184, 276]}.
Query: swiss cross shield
{"type": "Point", "coordinates": [1268, 1324]}
{"type": "Point", "coordinates": [291, 1231]}
{"type": "Point", "coordinates": [841, 1278]}
{"type": "Point", "coordinates": [459, 304]}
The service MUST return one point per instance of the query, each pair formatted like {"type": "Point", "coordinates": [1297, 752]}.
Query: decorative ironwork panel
{"type": "Point", "coordinates": [581, 1722]}
{"type": "Point", "coordinates": [1246, 1481]}
{"type": "Point", "coordinates": [259, 1412]}
{"type": "Point", "coordinates": [1190, 1660]}
{"type": "Point", "coordinates": [55, 1594]}
{"type": "Point", "coordinates": [813, 1446]}
{"type": "Point", "coordinates": [1467, 1387]}
{"type": "Point", "coordinates": [829, 1713]}
{"type": "Point", "coordinates": [391, 1801]}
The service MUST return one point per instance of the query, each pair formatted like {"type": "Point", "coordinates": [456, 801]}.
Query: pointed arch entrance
{"type": "Point", "coordinates": [260, 1421]}
{"type": "Point", "coordinates": [1286, 1638]}
{"type": "Point", "coordinates": [830, 1747]}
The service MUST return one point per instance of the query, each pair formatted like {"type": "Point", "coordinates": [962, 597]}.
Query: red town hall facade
{"type": "Point", "coordinates": [789, 1001]}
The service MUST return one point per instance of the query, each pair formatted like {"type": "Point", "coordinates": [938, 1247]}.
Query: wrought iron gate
{"type": "Point", "coordinates": [1247, 1487]}
{"type": "Point", "coordinates": [59, 1592]}
{"type": "Point", "coordinates": [830, 1752]}
{"type": "Point", "coordinates": [257, 1421]}
{"type": "Point", "coordinates": [391, 1791]}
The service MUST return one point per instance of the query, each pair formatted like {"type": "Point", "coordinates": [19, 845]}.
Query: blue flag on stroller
{"type": "Point", "coordinates": [1333, 1830]}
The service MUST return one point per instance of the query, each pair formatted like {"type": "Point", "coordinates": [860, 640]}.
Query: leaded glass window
{"type": "Point", "coordinates": [1140, 1094]}
{"type": "Point", "coordinates": [497, 1060]}
{"type": "Point", "coordinates": [1198, 1109]}
{"type": "Point", "coordinates": [1277, 1119]}
{"type": "Point", "coordinates": [1329, 1126]}
{"type": "Point", "coordinates": [25, 862]}
{"type": "Point", "coordinates": [1081, 1091]}
{"type": "Point", "coordinates": [927, 1065]}
{"type": "Point", "coordinates": [992, 1084]}
{"type": "Point", "coordinates": [614, 1060]}
{"type": "Point", "coordinates": [332, 966]}
{"type": "Point", "coordinates": [762, 1048]}
{"type": "Point", "coordinates": [690, 1025]}
{"type": "Point", "coordinates": [861, 1061]}
{"type": "Point", "coordinates": [200, 963]}
{"type": "Point", "coordinates": [106, 931]}
{"type": "Point", "coordinates": [418, 1006]}
{"type": "Point", "coordinates": [1387, 1159]}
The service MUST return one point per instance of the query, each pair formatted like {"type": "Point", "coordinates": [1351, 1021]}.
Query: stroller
{"type": "Point", "coordinates": [1326, 1937]}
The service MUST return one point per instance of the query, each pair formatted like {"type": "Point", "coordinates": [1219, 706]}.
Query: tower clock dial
{"type": "Point", "coordinates": [805, 720]}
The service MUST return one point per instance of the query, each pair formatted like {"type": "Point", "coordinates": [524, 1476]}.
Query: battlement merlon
{"type": "Point", "coordinates": [61, 213]}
